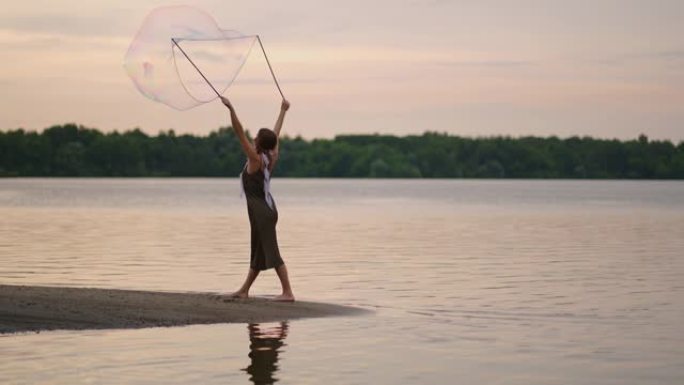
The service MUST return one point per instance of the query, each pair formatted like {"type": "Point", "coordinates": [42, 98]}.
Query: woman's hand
{"type": "Point", "coordinates": [285, 105]}
{"type": "Point", "coordinates": [227, 103]}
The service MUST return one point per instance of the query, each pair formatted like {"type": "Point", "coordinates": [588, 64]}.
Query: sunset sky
{"type": "Point", "coordinates": [477, 68]}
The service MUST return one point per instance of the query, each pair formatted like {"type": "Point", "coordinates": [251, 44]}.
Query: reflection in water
{"type": "Point", "coordinates": [265, 343]}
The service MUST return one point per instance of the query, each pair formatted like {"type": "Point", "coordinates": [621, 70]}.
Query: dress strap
{"type": "Point", "coordinates": [267, 180]}
{"type": "Point", "coordinates": [242, 183]}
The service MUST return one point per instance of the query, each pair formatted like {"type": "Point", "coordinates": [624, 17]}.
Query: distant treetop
{"type": "Point", "coordinates": [71, 150]}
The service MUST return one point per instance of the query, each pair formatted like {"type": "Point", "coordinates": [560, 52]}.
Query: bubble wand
{"type": "Point", "coordinates": [193, 64]}
{"type": "Point", "coordinates": [209, 83]}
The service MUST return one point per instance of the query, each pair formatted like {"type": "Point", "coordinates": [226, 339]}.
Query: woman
{"type": "Point", "coordinates": [262, 157]}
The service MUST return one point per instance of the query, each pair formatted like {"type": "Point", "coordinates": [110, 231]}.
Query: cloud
{"type": "Point", "coordinates": [28, 43]}
{"type": "Point", "coordinates": [487, 63]}
{"type": "Point", "coordinates": [666, 56]}
{"type": "Point", "coordinates": [38, 42]}
{"type": "Point", "coordinates": [285, 80]}
{"type": "Point", "coordinates": [431, 3]}
{"type": "Point", "coordinates": [208, 56]}
{"type": "Point", "coordinates": [82, 23]}
{"type": "Point", "coordinates": [60, 24]}
{"type": "Point", "coordinates": [677, 55]}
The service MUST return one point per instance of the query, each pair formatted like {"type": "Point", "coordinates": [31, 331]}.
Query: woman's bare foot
{"type": "Point", "coordinates": [239, 294]}
{"type": "Point", "coordinates": [284, 298]}
{"type": "Point", "coordinates": [229, 297]}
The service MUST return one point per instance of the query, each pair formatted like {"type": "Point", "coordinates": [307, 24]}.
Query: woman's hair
{"type": "Point", "coordinates": [267, 140]}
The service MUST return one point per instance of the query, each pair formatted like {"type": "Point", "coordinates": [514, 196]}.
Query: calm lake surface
{"type": "Point", "coordinates": [471, 282]}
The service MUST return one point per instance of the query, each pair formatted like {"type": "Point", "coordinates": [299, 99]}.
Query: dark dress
{"type": "Point", "coordinates": [262, 220]}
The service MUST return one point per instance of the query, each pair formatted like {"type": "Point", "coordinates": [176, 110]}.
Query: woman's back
{"type": "Point", "coordinates": [253, 184]}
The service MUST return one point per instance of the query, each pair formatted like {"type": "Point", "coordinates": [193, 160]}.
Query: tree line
{"type": "Point", "coordinates": [72, 150]}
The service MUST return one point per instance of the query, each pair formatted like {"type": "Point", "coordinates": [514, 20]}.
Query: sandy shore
{"type": "Point", "coordinates": [35, 308]}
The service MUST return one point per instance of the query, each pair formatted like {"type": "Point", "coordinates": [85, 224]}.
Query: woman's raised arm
{"type": "Point", "coordinates": [247, 147]}
{"type": "Point", "coordinates": [279, 125]}
{"type": "Point", "coordinates": [279, 122]}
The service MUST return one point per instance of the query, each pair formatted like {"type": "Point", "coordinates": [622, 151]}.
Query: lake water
{"type": "Point", "coordinates": [471, 282]}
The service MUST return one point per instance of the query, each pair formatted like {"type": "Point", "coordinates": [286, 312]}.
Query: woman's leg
{"type": "Point", "coordinates": [287, 294]}
{"type": "Point", "coordinates": [244, 290]}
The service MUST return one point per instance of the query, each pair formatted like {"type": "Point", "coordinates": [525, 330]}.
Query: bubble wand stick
{"type": "Point", "coordinates": [193, 64]}
{"type": "Point", "coordinates": [269, 67]}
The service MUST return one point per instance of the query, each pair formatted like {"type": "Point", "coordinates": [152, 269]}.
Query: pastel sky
{"type": "Point", "coordinates": [605, 68]}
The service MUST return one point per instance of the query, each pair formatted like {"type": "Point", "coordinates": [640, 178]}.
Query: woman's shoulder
{"type": "Point", "coordinates": [254, 166]}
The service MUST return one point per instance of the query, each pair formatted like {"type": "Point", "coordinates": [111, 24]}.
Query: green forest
{"type": "Point", "coordinates": [72, 150]}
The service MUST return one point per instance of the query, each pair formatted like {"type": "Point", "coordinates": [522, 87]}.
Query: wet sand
{"type": "Point", "coordinates": [36, 308]}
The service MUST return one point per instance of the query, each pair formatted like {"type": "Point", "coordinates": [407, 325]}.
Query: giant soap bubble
{"type": "Point", "coordinates": [180, 57]}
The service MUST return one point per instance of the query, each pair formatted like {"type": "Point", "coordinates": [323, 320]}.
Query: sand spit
{"type": "Point", "coordinates": [36, 308]}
